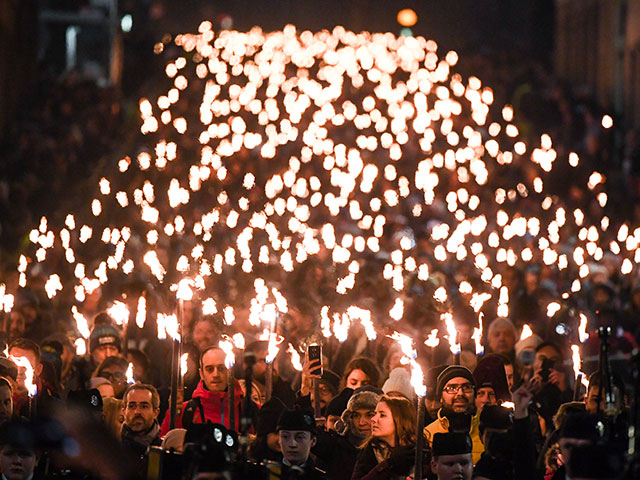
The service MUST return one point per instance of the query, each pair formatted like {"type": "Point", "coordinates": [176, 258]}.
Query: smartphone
{"type": "Point", "coordinates": [314, 354]}
{"type": "Point", "coordinates": [547, 365]}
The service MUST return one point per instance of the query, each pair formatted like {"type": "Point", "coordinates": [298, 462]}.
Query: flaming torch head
{"type": "Point", "coordinates": [184, 364]}
{"type": "Point", "coordinates": [526, 332]}
{"type": "Point", "coordinates": [452, 333]}
{"type": "Point", "coordinates": [295, 358]}
{"type": "Point", "coordinates": [129, 374]}
{"type": "Point", "coordinates": [227, 347]}
{"type": "Point", "coordinates": [25, 373]}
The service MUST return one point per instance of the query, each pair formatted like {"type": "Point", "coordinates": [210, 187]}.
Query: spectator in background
{"type": "Point", "coordinates": [6, 401]}
{"type": "Point", "coordinates": [501, 337]}
{"type": "Point", "coordinates": [360, 372]}
{"type": "Point", "coordinates": [31, 352]}
{"type": "Point", "coordinates": [114, 369]}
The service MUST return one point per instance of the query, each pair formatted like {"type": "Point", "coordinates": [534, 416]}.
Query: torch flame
{"type": "Point", "coordinates": [477, 336]}
{"type": "Point", "coordinates": [452, 333]}
{"type": "Point", "coordinates": [184, 291]}
{"type": "Point", "coordinates": [295, 358]}
{"type": "Point", "coordinates": [410, 355]}
{"type": "Point", "coordinates": [81, 346]}
{"type": "Point", "coordinates": [168, 326]}
{"type": "Point", "coordinates": [238, 341]}
{"type": "Point", "coordinates": [119, 312]}
{"type": "Point", "coordinates": [432, 340]}
{"type": "Point", "coordinates": [227, 347]}
{"type": "Point", "coordinates": [23, 362]}
{"type": "Point", "coordinates": [582, 329]}
{"type": "Point", "coordinates": [526, 332]}
{"type": "Point", "coordinates": [184, 364]}
{"type": "Point", "coordinates": [129, 374]}
{"type": "Point", "coordinates": [577, 365]}
{"type": "Point", "coordinates": [141, 313]}
{"type": "Point", "coordinates": [81, 322]}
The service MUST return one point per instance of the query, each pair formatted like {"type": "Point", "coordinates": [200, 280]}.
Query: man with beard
{"type": "Point", "coordinates": [337, 452]}
{"type": "Point", "coordinates": [456, 390]}
{"type": "Point", "coordinates": [140, 430]}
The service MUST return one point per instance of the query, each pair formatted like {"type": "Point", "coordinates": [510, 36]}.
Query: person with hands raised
{"type": "Point", "coordinates": [327, 388]}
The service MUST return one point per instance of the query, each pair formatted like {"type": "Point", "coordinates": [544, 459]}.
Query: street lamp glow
{"type": "Point", "coordinates": [407, 17]}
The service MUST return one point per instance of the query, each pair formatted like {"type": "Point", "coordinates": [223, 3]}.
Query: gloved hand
{"type": "Point", "coordinates": [401, 459]}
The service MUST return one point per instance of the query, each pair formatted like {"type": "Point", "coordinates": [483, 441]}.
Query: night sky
{"type": "Point", "coordinates": [463, 25]}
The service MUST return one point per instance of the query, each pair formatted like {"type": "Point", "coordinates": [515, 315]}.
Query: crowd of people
{"type": "Point", "coordinates": [513, 412]}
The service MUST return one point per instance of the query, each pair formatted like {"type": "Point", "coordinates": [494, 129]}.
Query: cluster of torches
{"type": "Point", "coordinates": [247, 76]}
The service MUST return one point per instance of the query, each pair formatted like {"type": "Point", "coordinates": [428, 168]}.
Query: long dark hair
{"type": "Point", "coordinates": [367, 366]}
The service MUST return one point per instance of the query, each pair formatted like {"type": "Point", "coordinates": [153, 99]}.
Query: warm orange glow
{"type": "Point", "coordinates": [407, 17]}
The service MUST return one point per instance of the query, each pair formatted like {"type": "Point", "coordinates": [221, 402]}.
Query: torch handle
{"type": "Point", "coordinates": [175, 375]}
{"type": "Point", "coordinates": [576, 390]}
{"type": "Point", "coordinates": [317, 409]}
{"type": "Point", "coordinates": [419, 439]}
{"type": "Point", "coordinates": [268, 385]}
{"type": "Point", "coordinates": [232, 400]}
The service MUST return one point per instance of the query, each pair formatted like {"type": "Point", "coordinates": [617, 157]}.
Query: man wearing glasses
{"type": "Point", "coordinates": [140, 406]}
{"type": "Point", "coordinates": [456, 390]}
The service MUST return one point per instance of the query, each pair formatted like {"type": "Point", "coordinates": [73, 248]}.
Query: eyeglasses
{"type": "Point", "coordinates": [451, 389]}
{"type": "Point", "coordinates": [114, 376]}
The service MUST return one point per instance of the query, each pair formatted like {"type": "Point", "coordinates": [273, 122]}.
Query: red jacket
{"type": "Point", "coordinates": [213, 404]}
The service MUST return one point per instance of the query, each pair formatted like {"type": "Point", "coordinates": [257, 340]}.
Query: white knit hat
{"type": "Point", "coordinates": [399, 381]}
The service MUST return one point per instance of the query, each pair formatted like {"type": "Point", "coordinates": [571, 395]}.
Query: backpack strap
{"type": "Point", "coordinates": [189, 411]}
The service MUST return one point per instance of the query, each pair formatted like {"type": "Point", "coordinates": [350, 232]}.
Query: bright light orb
{"type": "Point", "coordinates": [407, 17]}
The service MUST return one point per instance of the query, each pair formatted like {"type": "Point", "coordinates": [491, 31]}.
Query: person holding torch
{"type": "Point", "coordinates": [210, 401]}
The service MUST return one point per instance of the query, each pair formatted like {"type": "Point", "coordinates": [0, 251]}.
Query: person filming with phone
{"type": "Point", "coordinates": [327, 380]}
{"type": "Point", "coordinates": [548, 371]}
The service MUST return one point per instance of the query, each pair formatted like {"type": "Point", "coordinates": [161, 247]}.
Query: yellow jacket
{"type": "Point", "coordinates": [441, 425]}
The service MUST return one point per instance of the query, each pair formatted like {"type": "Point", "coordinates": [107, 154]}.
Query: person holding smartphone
{"type": "Point", "coordinates": [548, 372]}
{"type": "Point", "coordinates": [328, 381]}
